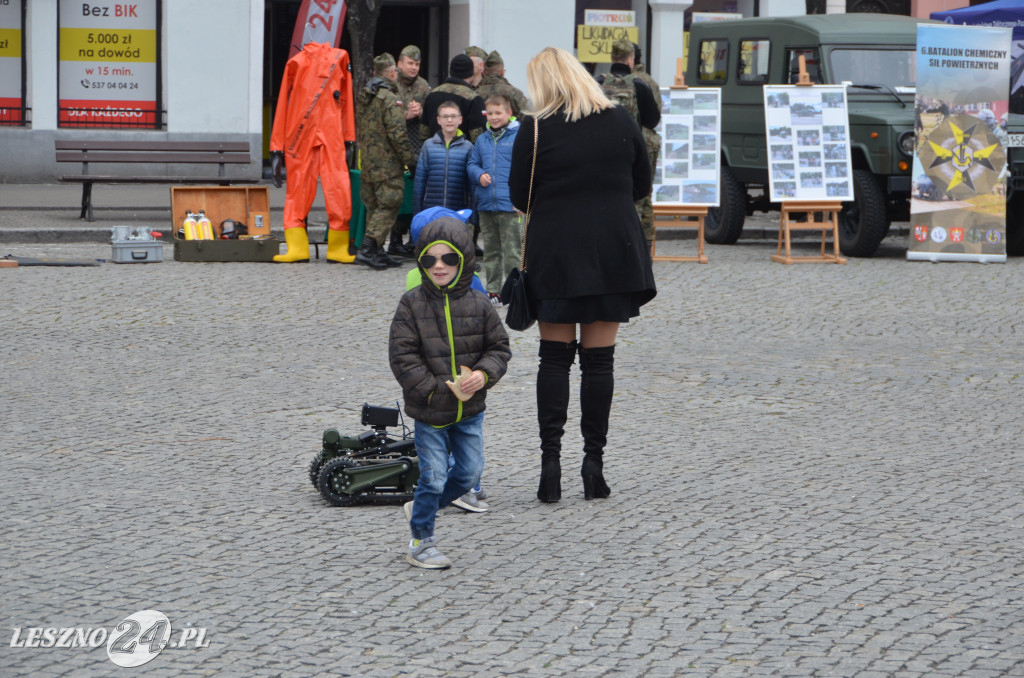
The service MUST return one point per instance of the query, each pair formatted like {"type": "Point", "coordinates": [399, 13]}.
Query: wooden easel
{"type": "Point", "coordinates": [829, 208]}
{"type": "Point", "coordinates": [685, 212]}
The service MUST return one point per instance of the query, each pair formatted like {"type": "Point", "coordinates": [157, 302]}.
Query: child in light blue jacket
{"type": "Point", "coordinates": [501, 227]}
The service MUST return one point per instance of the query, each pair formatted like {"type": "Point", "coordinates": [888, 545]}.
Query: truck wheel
{"type": "Point", "coordinates": [862, 223]}
{"type": "Point", "coordinates": [331, 481]}
{"type": "Point", "coordinates": [314, 468]}
{"type": "Point", "coordinates": [724, 224]}
{"type": "Point", "coordinates": [1015, 225]}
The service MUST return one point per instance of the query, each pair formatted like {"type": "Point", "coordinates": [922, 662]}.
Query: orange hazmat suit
{"type": "Point", "coordinates": [315, 117]}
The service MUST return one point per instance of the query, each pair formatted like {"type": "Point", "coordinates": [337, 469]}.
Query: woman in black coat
{"type": "Point", "coordinates": [587, 261]}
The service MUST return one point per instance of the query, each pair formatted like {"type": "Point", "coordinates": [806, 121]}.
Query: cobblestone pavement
{"type": "Point", "coordinates": [815, 470]}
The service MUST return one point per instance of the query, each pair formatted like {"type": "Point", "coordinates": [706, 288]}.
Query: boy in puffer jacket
{"type": "Point", "coordinates": [489, 166]}
{"type": "Point", "coordinates": [441, 169]}
{"type": "Point", "coordinates": [445, 339]}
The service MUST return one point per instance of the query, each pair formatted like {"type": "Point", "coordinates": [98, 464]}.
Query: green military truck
{"type": "Point", "coordinates": [873, 54]}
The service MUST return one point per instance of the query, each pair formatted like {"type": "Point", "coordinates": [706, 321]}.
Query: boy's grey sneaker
{"type": "Point", "coordinates": [423, 553]}
{"type": "Point", "coordinates": [407, 507]}
{"type": "Point", "coordinates": [470, 502]}
{"type": "Point", "coordinates": [481, 493]}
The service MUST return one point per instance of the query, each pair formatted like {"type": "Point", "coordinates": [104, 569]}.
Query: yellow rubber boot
{"type": "Point", "coordinates": [337, 247]}
{"type": "Point", "coordinates": [298, 246]}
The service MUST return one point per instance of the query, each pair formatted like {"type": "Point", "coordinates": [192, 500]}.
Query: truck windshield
{"type": "Point", "coordinates": [894, 68]}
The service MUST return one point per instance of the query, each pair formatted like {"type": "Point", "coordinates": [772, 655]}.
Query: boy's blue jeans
{"type": "Point", "coordinates": [437, 487]}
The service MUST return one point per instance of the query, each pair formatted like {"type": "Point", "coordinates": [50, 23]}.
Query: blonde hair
{"type": "Point", "coordinates": [558, 82]}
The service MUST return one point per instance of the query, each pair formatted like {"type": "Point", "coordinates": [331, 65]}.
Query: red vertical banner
{"type": "Point", "coordinates": [318, 21]}
{"type": "Point", "coordinates": [12, 106]}
{"type": "Point", "coordinates": [108, 64]}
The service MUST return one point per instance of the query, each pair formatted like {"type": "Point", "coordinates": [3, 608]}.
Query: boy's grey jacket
{"type": "Point", "coordinates": [437, 329]}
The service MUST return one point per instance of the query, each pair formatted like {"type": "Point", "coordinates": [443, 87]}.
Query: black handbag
{"type": "Point", "coordinates": [520, 313]}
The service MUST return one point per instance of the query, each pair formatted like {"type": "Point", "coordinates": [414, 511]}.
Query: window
{"type": "Point", "coordinates": [874, 66]}
{"type": "Point", "coordinates": [811, 62]}
{"type": "Point", "coordinates": [108, 68]}
{"type": "Point", "coordinates": [753, 63]}
{"type": "Point", "coordinates": [714, 59]}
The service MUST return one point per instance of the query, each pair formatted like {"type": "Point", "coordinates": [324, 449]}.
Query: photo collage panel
{"type": "Point", "coordinates": [808, 133]}
{"type": "Point", "coordinates": [690, 129]}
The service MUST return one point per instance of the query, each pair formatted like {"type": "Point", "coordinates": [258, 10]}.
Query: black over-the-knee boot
{"type": "Point", "coordinates": [556, 359]}
{"type": "Point", "coordinates": [598, 368]}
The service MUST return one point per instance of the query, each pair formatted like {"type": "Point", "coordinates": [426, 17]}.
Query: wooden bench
{"type": "Point", "coordinates": [207, 153]}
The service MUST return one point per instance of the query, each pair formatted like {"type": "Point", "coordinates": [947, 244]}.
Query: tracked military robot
{"type": "Point", "coordinates": [372, 467]}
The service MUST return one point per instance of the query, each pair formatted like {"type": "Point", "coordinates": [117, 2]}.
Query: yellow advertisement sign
{"type": "Point", "coordinates": [122, 45]}
{"type": "Point", "coordinates": [10, 42]}
{"type": "Point", "coordinates": [594, 43]}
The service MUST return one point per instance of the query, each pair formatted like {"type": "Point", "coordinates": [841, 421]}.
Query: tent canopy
{"type": "Point", "coordinates": [999, 13]}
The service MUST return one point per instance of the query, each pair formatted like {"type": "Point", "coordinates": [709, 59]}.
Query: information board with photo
{"type": "Point", "coordinates": [808, 134]}
{"type": "Point", "coordinates": [690, 129]}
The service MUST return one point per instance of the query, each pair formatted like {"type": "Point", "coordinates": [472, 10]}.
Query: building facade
{"type": "Point", "coordinates": [195, 70]}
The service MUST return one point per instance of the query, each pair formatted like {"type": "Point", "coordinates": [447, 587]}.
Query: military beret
{"type": "Point", "coordinates": [382, 63]}
{"type": "Point", "coordinates": [474, 51]}
{"type": "Point", "coordinates": [493, 59]}
{"type": "Point", "coordinates": [622, 49]}
{"type": "Point", "coordinates": [461, 67]}
{"type": "Point", "coordinates": [411, 51]}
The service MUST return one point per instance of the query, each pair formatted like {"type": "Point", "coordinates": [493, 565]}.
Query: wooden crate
{"type": "Point", "coordinates": [241, 203]}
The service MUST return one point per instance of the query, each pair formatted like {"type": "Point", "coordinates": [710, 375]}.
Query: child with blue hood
{"type": "Point", "coordinates": [447, 348]}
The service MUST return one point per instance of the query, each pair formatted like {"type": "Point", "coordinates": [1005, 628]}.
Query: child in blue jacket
{"type": "Point", "coordinates": [501, 227]}
{"type": "Point", "coordinates": [441, 170]}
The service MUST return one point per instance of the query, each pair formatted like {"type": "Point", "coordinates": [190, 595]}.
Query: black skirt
{"type": "Point", "coordinates": [612, 308]}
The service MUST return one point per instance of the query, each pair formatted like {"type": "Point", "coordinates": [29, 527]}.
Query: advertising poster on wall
{"type": "Point", "coordinates": [11, 103]}
{"type": "Point", "coordinates": [958, 199]}
{"type": "Point", "coordinates": [808, 132]}
{"type": "Point", "coordinates": [690, 129]}
{"type": "Point", "coordinates": [108, 64]}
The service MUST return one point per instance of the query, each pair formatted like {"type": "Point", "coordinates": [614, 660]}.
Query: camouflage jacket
{"type": "Point", "coordinates": [651, 137]}
{"type": "Point", "coordinates": [496, 84]}
{"type": "Point", "coordinates": [380, 128]}
{"type": "Point", "coordinates": [639, 100]}
{"type": "Point", "coordinates": [413, 90]}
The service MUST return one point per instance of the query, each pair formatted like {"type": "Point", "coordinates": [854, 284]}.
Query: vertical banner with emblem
{"type": "Point", "coordinates": [691, 136]}
{"type": "Point", "coordinates": [958, 201]}
{"type": "Point", "coordinates": [12, 105]}
{"type": "Point", "coordinates": [108, 64]}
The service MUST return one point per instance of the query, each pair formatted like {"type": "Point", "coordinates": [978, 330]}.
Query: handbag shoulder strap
{"type": "Point", "coordinates": [529, 196]}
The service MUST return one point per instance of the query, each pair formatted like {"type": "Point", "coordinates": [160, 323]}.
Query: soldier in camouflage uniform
{"type": "Point", "coordinates": [412, 92]}
{"type": "Point", "coordinates": [412, 89]}
{"type": "Point", "coordinates": [479, 57]}
{"type": "Point", "coordinates": [386, 151]}
{"type": "Point", "coordinates": [494, 82]}
{"type": "Point", "coordinates": [456, 88]}
{"type": "Point", "coordinates": [651, 137]}
{"type": "Point", "coordinates": [634, 94]}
